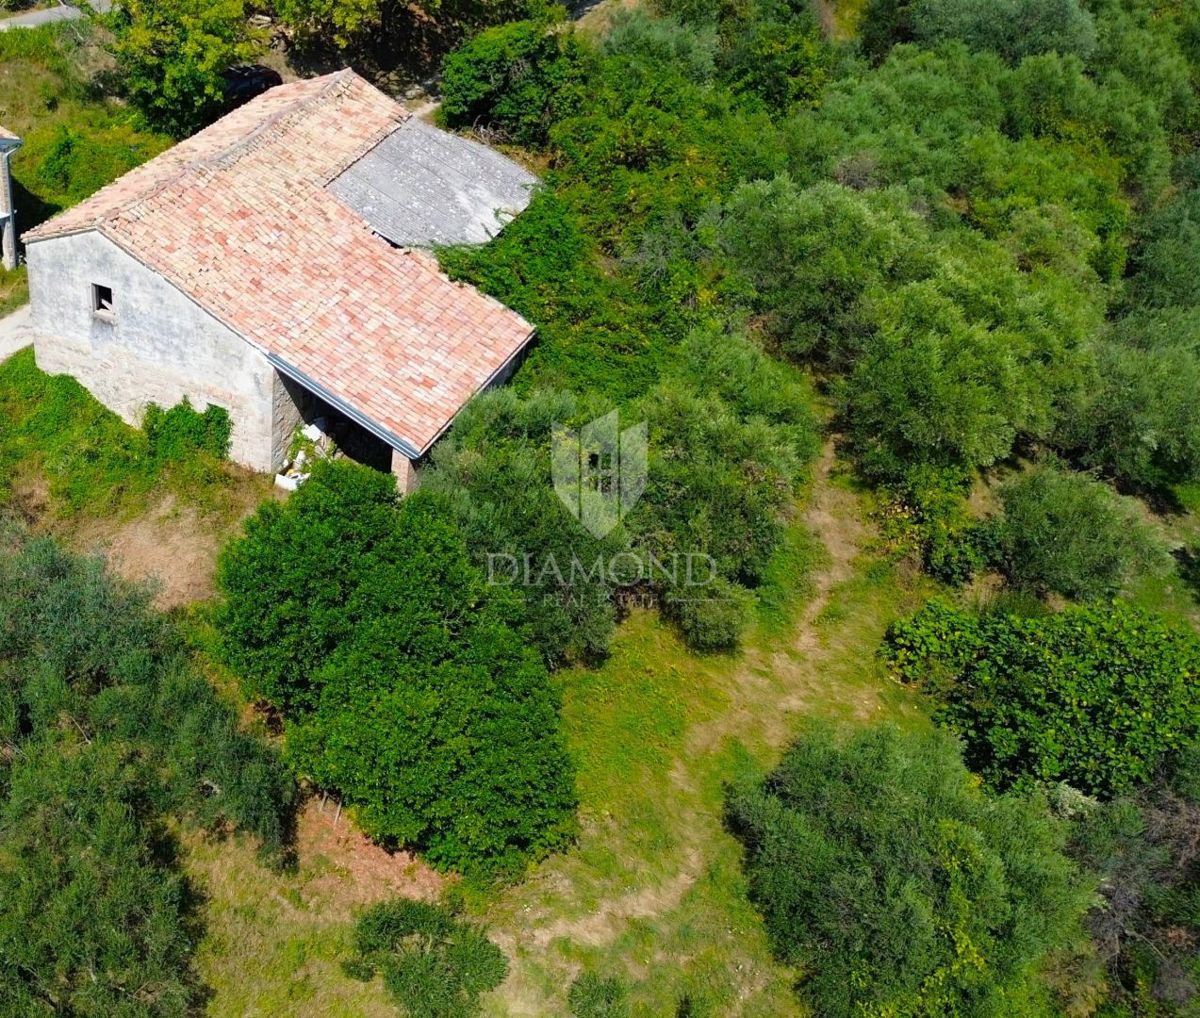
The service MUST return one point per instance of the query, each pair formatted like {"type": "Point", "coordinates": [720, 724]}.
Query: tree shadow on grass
{"type": "Point", "coordinates": [1187, 564]}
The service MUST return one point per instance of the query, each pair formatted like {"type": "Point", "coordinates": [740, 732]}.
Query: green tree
{"type": "Point", "coordinates": [109, 739]}
{"type": "Point", "coordinates": [897, 885]}
{"type": "Point", "coordinates": [1012, 28]}
{"type": "Point", "coordinates": [172, 56]}
{"type": "Point", "coordinates": [1095, 696]}
{"type": "Point", "coordinates": [342, 22]}
{"type": "Point", "coordinates": [1140, 423]}
{"type": "Point", "coordinates": [407, 682]}
{"type": "Point", "coordinates": [813, 257]}
{"type": "Point", "coordinates": [517, 78]}
{"type": "Point", "coordinates": [97, 918]}
{"type": "Point", "coordinates": [1070, 534]}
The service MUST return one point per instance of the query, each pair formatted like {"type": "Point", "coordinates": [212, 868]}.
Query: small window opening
{"type": "Point", "coordinates": [102, 300]}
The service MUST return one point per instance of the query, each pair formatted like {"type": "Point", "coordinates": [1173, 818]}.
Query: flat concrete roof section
{"type": "Point", "coordinates": [421, 187]}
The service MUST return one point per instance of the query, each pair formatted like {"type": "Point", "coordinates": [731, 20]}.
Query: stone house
{"type": "Point", "coordinates": [272, 265]}
{"type": "Point", "coordinates": [9, 143]}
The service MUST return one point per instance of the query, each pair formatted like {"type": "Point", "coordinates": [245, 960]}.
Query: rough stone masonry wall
{"type": "Point", "coordinates": [159, 346]}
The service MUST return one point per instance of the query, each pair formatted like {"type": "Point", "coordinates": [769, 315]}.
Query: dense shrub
{"type": "Point", "coordinates": [517, 79]}
{"type": "Point", "coordinates": [433, 964]}
{"type": "Point", "coordinates": [109, 732]}
{"type": "Point", "coordinates": [1094, 696]}
{"type": "Point", "coordinates": [405, 679]}
{"type": "Point", "coordinates": [896, 885]}
{"type": "Point", "coordinates": [1067, 533]}
{"type": "Point", "coordinates": [181, 431]}
{"type": "Point", "coordinates": [1012, 28]}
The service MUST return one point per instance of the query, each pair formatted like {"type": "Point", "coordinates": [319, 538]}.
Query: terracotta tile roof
{"type": "Point", "coordinates": [238, 217]}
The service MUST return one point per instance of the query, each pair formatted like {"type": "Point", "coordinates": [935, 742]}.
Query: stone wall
{"type": "Point", "coordinates": [157, 345]}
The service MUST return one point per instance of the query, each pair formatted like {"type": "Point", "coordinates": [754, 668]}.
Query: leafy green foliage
{"type": "Point", "coordinates": [1169, 248]}
{"type": "Point", "coordinates": [182, 431]}
{"type": "Point", "coordinates": [1141, 423]}
{"type": "Point", "coordinates": [1094, 696]}
{"type": "Point", "coordinates": [1012, 28]}
{"type": "Point", "coordinates": [107, 731]}
{"type": "Point", "coordinates": [92, 899]}
{"type": "Point", "coordinates": [340, 21]}
{"type": "Point", "coordinates": [433, 964]}
{"type": "Point", "coordinates": [896, 885]}
{"type": "Point", "coordinates": [730, 433]}
{"type": "Point", "coordinates": [517, 79]}
{"type": "Point", "coordinates": [927, 508]}
{"type": "Point", "coordinates": [405, 679]}
{"type": "Point", "coordinates": [1067, 533]}
{"type": "Point", "coordinates": [172, 55]}
{"type": "Point", "coordinates": [93, 461]}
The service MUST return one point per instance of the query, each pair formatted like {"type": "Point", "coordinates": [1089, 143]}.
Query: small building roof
{"type": "Point", "coordinates": [420, 186]}
{"type": "Point", "coordinates": [241, 218]}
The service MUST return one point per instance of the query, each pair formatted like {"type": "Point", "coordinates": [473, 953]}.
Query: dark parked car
{"type": "Point", "coordinates": [246, 82]}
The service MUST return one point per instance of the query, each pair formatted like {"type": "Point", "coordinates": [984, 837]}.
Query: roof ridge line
{"type": "Point", "coordinates": [338, 83]}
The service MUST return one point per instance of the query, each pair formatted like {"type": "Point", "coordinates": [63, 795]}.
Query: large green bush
{"type": "Point", "coordinates": [1093, 696]}
{"type": "Point", "coordinates": [1069, 534]}
{"type": "Point", "coordinates": [896, 885]}
{"type": "Point", "coordinates": [517, 79]}
{"type": "Point", "coordinates": [407, 681]}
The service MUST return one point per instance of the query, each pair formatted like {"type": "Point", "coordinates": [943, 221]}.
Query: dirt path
{"type": "Point", "coordinates": [765, 688]}
{"type": "Point", "coordinates": [785, 676]}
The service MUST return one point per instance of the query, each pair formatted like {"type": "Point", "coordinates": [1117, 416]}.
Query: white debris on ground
{"type": "Point", "coordinates": [309, 444]}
